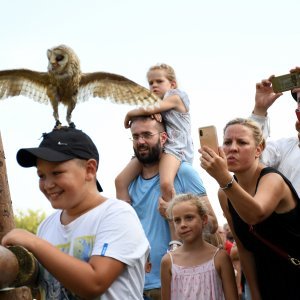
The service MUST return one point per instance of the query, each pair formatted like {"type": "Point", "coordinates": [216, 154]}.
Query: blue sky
{"type": "Point", "coordinates": [219, 50]}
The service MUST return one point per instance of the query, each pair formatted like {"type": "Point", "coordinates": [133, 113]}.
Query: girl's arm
{"type": "Point", "coordinates": [225, 269]}
{"type": "Point", "coordinates": [272, 193]}
{"type": "Point", "coordinates": [171, 102]}
{"type": "Point", "coordinates": [85, 279]}
{"type": "Point", "coordinates": [246, 257]}
{"type": "Point", "coordinates": [166, 277]}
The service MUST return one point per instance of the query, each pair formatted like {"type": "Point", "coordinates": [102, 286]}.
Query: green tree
{"type": "Point", "coordinates": [30, 219]}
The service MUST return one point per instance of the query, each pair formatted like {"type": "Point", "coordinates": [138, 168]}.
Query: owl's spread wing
{"type": "Point", "coordinates": [114, 87]}
{"type": "Point", "coordinates": [32, 84]}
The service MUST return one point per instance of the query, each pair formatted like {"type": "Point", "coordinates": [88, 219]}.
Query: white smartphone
{"type": "Point", "coordinates": [208, 137]}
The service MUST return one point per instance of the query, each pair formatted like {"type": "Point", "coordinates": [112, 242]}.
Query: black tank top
{"type": "Point", "coordinates": [278, 279]}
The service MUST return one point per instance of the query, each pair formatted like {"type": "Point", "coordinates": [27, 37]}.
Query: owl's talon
{"type": "Point", "coordinates": [57, 125]}
{"type": "Point", "coordinates": [72, 125]}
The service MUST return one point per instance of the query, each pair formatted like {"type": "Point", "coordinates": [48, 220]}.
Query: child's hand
{"type": "Point", "coordinates": [19, 237]}
{"type": "Point", "coordinates": [157, 117]}
{"type": "Point", "coordinates": [162, 207]}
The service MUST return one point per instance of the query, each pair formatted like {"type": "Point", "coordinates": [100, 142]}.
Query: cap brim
{"type": "Point", "coordinates": [27, 157]}
{"type": "Point", "coordinates": [294, 95]}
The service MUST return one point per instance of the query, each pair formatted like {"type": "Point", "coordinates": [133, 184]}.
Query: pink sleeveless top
{"type": "Point", "coordinates": [200, 282]}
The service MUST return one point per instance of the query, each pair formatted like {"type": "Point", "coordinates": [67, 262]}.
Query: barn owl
{"type": "Point", "coordinates": [65, 83]}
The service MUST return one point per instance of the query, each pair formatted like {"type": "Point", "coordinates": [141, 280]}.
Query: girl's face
{"type": "Point", "coordinates": [62, 183]}
{"type": "Point", "coordinates": [159, 84]}
{"type": "Point", "coordinates": [187, 221]}
{"type": "Point", "coordinates": [240, 148]}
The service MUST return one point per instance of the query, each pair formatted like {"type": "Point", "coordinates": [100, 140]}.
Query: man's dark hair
{"type": "Point", "coordinates": [159, 120]}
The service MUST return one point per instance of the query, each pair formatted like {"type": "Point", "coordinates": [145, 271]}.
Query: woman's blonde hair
{"type": "Point", "coordinates": [169, 71]}
{"type": "Point", "coordinates": [193, 199]}
{"type": "Point", "coordinates": [255, 128]}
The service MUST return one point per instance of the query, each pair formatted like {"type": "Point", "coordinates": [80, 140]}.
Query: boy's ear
{"type": "Point", "coordinates": [91, 168]}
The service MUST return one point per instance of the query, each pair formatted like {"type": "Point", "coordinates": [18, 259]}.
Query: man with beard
{"type": "Point", "coordinates": [149, 137]}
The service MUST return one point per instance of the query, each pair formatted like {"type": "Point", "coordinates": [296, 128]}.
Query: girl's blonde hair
{"type": "Point", "coordinates": [193, 199]}
{"type": "Point", "coordinates": [255, 128]}
{"type": "Point", "coordinates": [169, 71]}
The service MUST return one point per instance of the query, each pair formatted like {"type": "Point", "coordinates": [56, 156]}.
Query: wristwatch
{"type": "Point", "coordinates": [228, 185]}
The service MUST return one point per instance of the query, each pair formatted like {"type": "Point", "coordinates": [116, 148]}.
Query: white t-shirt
{"type": "Point", "coordinates": [111, 229]}
{"type": "Point", "coordinates": [282, 154]}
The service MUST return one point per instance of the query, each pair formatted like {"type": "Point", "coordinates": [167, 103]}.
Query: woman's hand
{"type": "Point", "coordinates": [215, 165]}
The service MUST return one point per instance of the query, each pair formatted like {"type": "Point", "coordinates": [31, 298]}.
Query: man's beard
{"type": "Point", "coordinates": [151, 157]}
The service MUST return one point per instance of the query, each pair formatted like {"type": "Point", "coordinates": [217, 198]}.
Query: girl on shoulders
{"type": "Point", "coordinates": [174, 106]}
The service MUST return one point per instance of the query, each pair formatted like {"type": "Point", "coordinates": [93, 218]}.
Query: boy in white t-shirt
{"type": "Point", "coordinates": [92, 247]}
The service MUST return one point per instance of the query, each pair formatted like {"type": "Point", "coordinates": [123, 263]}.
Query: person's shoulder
{"type": "Point", "coordinates": [166, 259]}
{"type": "Point", "coordinates": [52, 217]}
{"type": "Point", "coordinates": [221, 255]}
{"type": "Point", "coordinates": [186, 168]}
{"type": "Point", "coordinates": [284, 142]}
{"type": "Point", "coordinates": [114, 203]}
{"type": "Point", "coordinates": [50, 220]}
{"type": "Point", "coordinates": [177, 91]}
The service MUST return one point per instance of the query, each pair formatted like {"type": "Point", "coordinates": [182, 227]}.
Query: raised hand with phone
{"type": "Point", "coordinates": [208, 137]}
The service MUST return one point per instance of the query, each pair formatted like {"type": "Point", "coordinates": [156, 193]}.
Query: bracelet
{"type": "Point", "coordinates": [228, 185]}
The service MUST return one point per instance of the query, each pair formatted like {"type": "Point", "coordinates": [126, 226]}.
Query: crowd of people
{"type": "Point", "coordinates": [163, 242]}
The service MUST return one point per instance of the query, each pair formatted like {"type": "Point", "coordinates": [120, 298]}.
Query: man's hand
{"type": "Point", "coordinates": [264, 97]}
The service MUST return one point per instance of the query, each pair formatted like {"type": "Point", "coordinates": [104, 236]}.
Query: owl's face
{"type": "Point", "coordinates": [58, 60]}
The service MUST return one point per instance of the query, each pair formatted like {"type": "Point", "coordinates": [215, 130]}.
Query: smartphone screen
{"type": "Point", "coordinates": [208, 137]}
{"type": "Point", "coordinates": [285, 82]}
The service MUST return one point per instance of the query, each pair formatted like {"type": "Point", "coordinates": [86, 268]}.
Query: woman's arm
{"type": "Point", "coordinates": [246, 257]}
{"type": "Point", "coordinates": [272, 193]}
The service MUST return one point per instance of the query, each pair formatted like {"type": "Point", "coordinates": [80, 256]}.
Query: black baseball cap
{"type": "Point", "coordinates": [60, 145]}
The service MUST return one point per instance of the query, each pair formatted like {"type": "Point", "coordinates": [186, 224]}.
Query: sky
{"type": "Point", "coordinates": [219, 50]}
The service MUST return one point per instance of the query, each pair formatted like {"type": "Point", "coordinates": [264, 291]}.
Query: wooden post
{"type": "Point", "coordinates": [6, 224]}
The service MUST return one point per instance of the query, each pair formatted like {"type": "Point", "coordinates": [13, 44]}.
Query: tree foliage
{"type": "Point", "coordinates": [29, 219]}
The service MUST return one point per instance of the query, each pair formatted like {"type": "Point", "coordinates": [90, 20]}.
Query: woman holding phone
{"type": "Point", "coordinates": [262, 209]}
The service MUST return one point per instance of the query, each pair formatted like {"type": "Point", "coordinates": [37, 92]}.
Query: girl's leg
{"type": "Point", "coordinates": [168, 167]}
{"type": "Point", "coordinates": [122, 181]}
